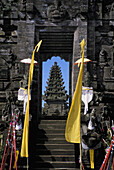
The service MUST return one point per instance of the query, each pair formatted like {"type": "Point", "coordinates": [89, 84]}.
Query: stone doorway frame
{"type": "Point", "coordinates": [72, 57]}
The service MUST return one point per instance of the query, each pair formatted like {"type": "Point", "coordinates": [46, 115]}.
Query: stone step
{"type": "Point", "coordinates": [54, 146]}
{"type": "Point", "coordinates": [58, 164]}
{"type": "Point", "coordinates": [55, 168]}
{"type": "Point", "coordinates": [51, 150]}
{"type": "Point", "coordinates": [55, 158]}
{"type": "Point", "coordinates": [55, 152]}
{"type": "Point", "coordinates": [52, 141]}
{"type": "Point", "coordinates": [52, 126]}
{"type": "Point", "coordinates": [40, 168]}
{"type": "Point", "coordinates": [50, 135]}
{"type": "Point", "coordinates": [45, 122]}
{"type": "Point", "coordinates": [51, 131]}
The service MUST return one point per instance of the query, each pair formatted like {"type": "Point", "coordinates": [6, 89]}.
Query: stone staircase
{"type": "Point", "coordinates": [49, 149]}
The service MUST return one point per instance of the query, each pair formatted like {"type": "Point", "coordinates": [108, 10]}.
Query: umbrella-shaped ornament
{"type": "Point", "coordinates": [80, 60]}
{"type": "Point", "coordinates": [28, 61]}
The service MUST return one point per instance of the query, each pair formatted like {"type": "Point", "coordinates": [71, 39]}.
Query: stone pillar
{"type": "Point", "coordinates": [25, 43]}
{"type": "Point", "coordinates": [79, 34]}
{"type": "Point", "coordinates": [91, 52]}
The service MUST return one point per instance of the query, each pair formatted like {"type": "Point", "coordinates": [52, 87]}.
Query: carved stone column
{"type": "Point", "coordinates": [79, 34]}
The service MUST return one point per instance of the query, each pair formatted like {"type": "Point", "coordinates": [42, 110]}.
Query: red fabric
{"type": "Point", "coordinates": [113, 163]}
{"type": "Point", "coordinates": [13, 142]}
{"type": "Point", "coordinates": [11, 156]}
{"type": "Point", "coordinates": [104, 165]}
{"type": "Point", "coordinates": [7, 153]}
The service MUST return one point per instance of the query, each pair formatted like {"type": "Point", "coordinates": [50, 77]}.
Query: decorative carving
{"type": "Point", "coordinates": [97, 98]}
{"type": "Point", "coordinates": [112, 11]}
{"type": "Point", "coordinates": [98, 11]}
{"type": "Point", "coordinates": [91, 8]}
{"type": "Point", "coordinates": [9, 61]}
{"type": "Point", "coordinates": [16, 69]}
{"type": "Point", "coordinates": [57, 11]}
{"type": "Point", "coordinates": [87, 80]}
{"type": "Point", "coordinates": [9, 70]}
{"type": "Point", "coordinates": [108, 10]}
{"type": "Point", "coordinates": [102, 62]}
{"type": "Point", "coordinates": [11, 99]}
{"type": "Point", "coordinates": [24, 82]}
{"type": "Point", "coordinates": [12, 9]}
{"type": "Point", "coordinates": [94, 70]}
{"type": "Point", "coordinates": [103, 57]}
{"type": "Point", "coordinates": [106, 67]}
{"type": "Point", "coordinates": [8, 30]}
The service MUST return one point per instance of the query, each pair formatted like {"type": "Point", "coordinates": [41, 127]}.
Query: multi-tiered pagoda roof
{"type": "Point", "coordinates": [55, 95]}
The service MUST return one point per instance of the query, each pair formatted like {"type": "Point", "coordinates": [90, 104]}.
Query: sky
{"type": "Point", "coordinates": [64, 66]}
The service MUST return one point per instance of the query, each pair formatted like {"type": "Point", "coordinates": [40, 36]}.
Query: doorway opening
{"type": "Point", "coordinates": [55, 87]}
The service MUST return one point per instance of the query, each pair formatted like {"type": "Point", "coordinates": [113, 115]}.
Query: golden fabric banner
{"type": "Point", "coordinates": [24, 146]}
{"type": "Point", "coordinates": [17, 155]}
{"type": "Point", "coordinates": [72, 132]}
{"type": "Point", "coordinates": [91, 152]}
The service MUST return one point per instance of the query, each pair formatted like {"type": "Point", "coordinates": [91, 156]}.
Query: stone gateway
{"type": "Point", "coordinates": [61, 25]}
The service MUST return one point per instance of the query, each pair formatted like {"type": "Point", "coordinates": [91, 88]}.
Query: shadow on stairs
{"type": "Point", "coordinates": [48, 148]}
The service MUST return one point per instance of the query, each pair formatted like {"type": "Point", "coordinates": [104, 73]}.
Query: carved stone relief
{"type": "Point", "coordinates": [111, 14]}
{"type": "Point", "coordinates": [9, 70]}
{"type": "Point", "coordinates": [106, 67]}
{"type": "Point", "coordinates": [98, 11]}
{"type": "Point", "coordinates": [11, 99]}
{"type": "Point", "coordinates": [108, 9]}
{"type": "Point", "coordinates": [57, 12]}
{"type": "Point", "coordinates": [8, 32]}
{"type": "Point", "coordinates": [12, 9]}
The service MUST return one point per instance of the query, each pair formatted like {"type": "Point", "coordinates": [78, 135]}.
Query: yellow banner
{"type": "Point", "coordinates": [17, 155]}
{"type": "Point", "coordinates": [24, 146]}
{"type": "Point", "coordinates": [91, 152]}
{"type": "Point", "coordinates": [72, 132]}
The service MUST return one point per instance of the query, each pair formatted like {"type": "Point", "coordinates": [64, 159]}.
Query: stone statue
{"type": "Point", "coordinates": [91, 138]}
{"type": "Point", "coordinates": [91, 124]}
{"type": "Point", "coordinates": [94, 132]}
{"type": "Point", "coordinates": [24, 82]}
{"type": "Point", "coordinates": [57, 11]}
{"type": "Point", "coordinates": [102, 63]}
{"type": "Point", "coordinates": [11, 99]}
{"type": "Point", "coordinates": [5, 116]}
{"type": "Point", "coordinates": [112, 11]}
{"type": "Point", "coordinates": [87, 80]}
{"type": "Point", "coordinates": [103, 57]}
{"type": "Point", "coordinates": [16, 69]}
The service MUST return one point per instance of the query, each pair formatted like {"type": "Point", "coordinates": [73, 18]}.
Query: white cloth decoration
{"type": "Point", "coordinates": [23, 96]}
{"type": "Point", "coordinates": [18, 127]}
{"type": "Point", "coordinates": [90, 125]}
{"type": "Point", "coordinates": [87, 95]}
{"type": "Point", "coordinates": [25, 102]}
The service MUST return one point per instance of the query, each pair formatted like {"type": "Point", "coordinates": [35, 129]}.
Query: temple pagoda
{"type": "Point", "coordinates": [55, 95]}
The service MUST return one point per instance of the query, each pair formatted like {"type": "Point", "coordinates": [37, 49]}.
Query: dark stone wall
{"type": "Point", "coordinates": [100, 48]}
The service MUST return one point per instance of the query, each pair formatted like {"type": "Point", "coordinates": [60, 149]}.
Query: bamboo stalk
{"type": "Point", "coordinates": [80, 157]}
{"type": "Point", "coordinates": [27, 164]}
